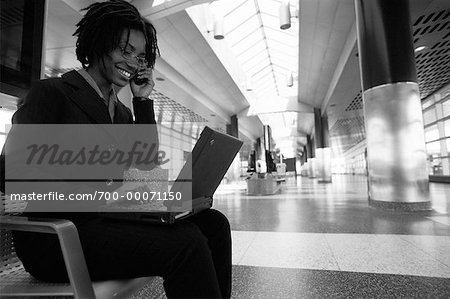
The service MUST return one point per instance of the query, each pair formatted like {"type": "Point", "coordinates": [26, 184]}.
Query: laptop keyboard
{"type": "Point", "coordinates": [145, 207]}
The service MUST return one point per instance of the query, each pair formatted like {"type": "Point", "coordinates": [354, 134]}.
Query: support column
{"type": "Point", "coordinates": [322, 152]}
{"type": "Point", "coordinates": [318, 130]}
{"type": "Point", "coordinates": [305, 154]}
{"type": "Point", "coordinates": [271, 167]}
{"type": "Point", "coordinates": [398, 177]}
{"type": "Point", "coordinates": [305, 169]}
{"type": "Point", "coordinates": [311, 161]}
{"type": "Point", "coordinates": [232, 128]}
{"type": "Point", "coordinates": [309, 147]}
{"type": "Point", "coordinates": [233, 172]}
{"type": "Point", "coordinates": [325, 131]}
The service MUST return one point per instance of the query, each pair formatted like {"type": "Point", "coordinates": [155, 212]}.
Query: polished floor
{"type": "Point", "coordinates": [318, 240]}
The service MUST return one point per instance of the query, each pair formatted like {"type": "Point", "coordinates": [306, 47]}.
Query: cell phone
{"type": "Point", "coordinates": [139, 81]}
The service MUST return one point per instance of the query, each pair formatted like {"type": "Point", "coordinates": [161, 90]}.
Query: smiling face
{"type": "Point", "coordinates": [115, 68]}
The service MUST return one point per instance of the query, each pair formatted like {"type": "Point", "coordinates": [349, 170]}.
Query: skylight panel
{"type": "Point", "coordinates": [270, 93]}
{"type": "Point", "coordinates": [262, 72]}
{"type": "Point", "coordinates": [246, 43]}
{"type": "Point", "coordinates": [258, 60]}
{"type": "Point", "coordinates": [282, 45]}
{"type": "Point", "coordinates": [269, 6]}
{"type": "Point", "coordinates": [282, 53]}
{"type": "Point", "coordinates": [261, 68]}
{"type": "Point", "coordinates": [270, 21]}
{"type": "Point", "coordinates": [238, 16]}
{"type": "Point", "coordinates": [283, 63]}
{"type": "Point", "coordinates": [286, 34]}
{"type": "Point", "coordinates": [282, 38]}
{"type": "Point", "coordinates": [252, 52]}
{"type": "Point", "coordinates": [278, 47]}
{"type": "Point", "coordinates": [266, 95]}
{"type": "Point", "coordinates": [264, 77]}
{"type": "Point", "coordinates": [269, 90]}
{"type": "Point", "coordinates": [264, 83]}
{"type": "Point", "coordinates": [284, 68]}
{"type": "Point", "coordinates": [280, 70]}
{"type": "Point", "coordinates": [242, 31]}
{"type": "Point", "coordinates": [281, 76]}
{"type": "Point", "coordinates": [281, 81]}
{"type": "Point", "coordinates": [231, 25]}
{"type": "Point", "coordinates": [228, 6]}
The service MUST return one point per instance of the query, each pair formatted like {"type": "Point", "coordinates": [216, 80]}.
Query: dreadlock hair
{"type": "Point", "coordinates": [99, 31]}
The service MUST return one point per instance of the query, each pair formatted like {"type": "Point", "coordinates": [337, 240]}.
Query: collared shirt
{"type": "Point", "coordinates": [111, 102]}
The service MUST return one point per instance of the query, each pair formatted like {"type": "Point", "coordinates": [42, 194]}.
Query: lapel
{"type": "Point", "coordinates": [121, 115]}
{"type": "Point", "coordinates": [85, 97]}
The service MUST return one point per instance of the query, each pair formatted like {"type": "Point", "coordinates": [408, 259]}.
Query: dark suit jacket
{"type": "Point", "coordinates": [71, 100]}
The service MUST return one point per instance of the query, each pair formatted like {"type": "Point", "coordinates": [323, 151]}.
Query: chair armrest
{"type": "Point", "coordinates": [39, 225]}
{"type": "Point", "coordinates": [70, 245]}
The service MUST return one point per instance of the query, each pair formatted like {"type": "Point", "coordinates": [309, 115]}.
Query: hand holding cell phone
{"type": "Point", "coordinates": [142, 83]}
{"type": "Point", "coordinates": [139, 81]}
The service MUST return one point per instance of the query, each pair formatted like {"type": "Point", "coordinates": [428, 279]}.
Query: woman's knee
{"type": "Point", "coordinates": [218, 219]}
{"type": "Point", "coordinates": [192, 246]}
{"type": "Point", "coordinates": [193, 239]}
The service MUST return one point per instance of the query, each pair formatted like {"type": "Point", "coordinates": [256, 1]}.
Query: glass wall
{"type": "Point", "coordinates": [174, 144]}
{"type": "Point", "coordinates": [436, 115]}
{"type": "Point", "coordinates": [5, 119]}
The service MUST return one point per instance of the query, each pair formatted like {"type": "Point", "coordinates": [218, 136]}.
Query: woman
{"type": "Point", "coordinates": [114, 44]}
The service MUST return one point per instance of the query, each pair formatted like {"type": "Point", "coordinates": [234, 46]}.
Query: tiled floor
{"type": "Point", "coordinates": [323, 241]}
{"type": "Point", "coordinates": [387, 254]}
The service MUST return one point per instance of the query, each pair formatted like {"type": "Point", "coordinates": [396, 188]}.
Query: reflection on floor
{"type": "Point", "coordinates": [322, 240]}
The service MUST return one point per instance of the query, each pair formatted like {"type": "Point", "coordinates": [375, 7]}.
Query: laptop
{"type": "Point", "coordinates": [196, 183]}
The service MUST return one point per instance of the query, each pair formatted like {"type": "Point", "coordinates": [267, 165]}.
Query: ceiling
{"type": "Point", "coordinates": [260, 56]}
{"type": "Point", "coordinates": [244, 74]}
{"type": "Point", "coordinates": [266, 54]}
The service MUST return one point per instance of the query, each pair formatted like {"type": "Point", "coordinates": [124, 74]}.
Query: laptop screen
{"type": "Point", "coordinates": [210, 159]}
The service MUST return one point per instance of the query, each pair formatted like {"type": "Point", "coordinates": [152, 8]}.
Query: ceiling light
{"type": "Point", "coordinates": [285, 15]}
{"type": "Point", "coordinates": [294, 11]}
{"type": "Point", "coordinates": [218, 28]}
{"type": "Point", "coordinates": [420, 48]}
{"type": "Point", "coordinates": [248, 83]}
{"type": "Point", "coordinates": [290, 80]}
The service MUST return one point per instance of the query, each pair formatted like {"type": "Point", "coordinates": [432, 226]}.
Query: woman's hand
{"type": "Point", "coordinates": [145, 89]}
